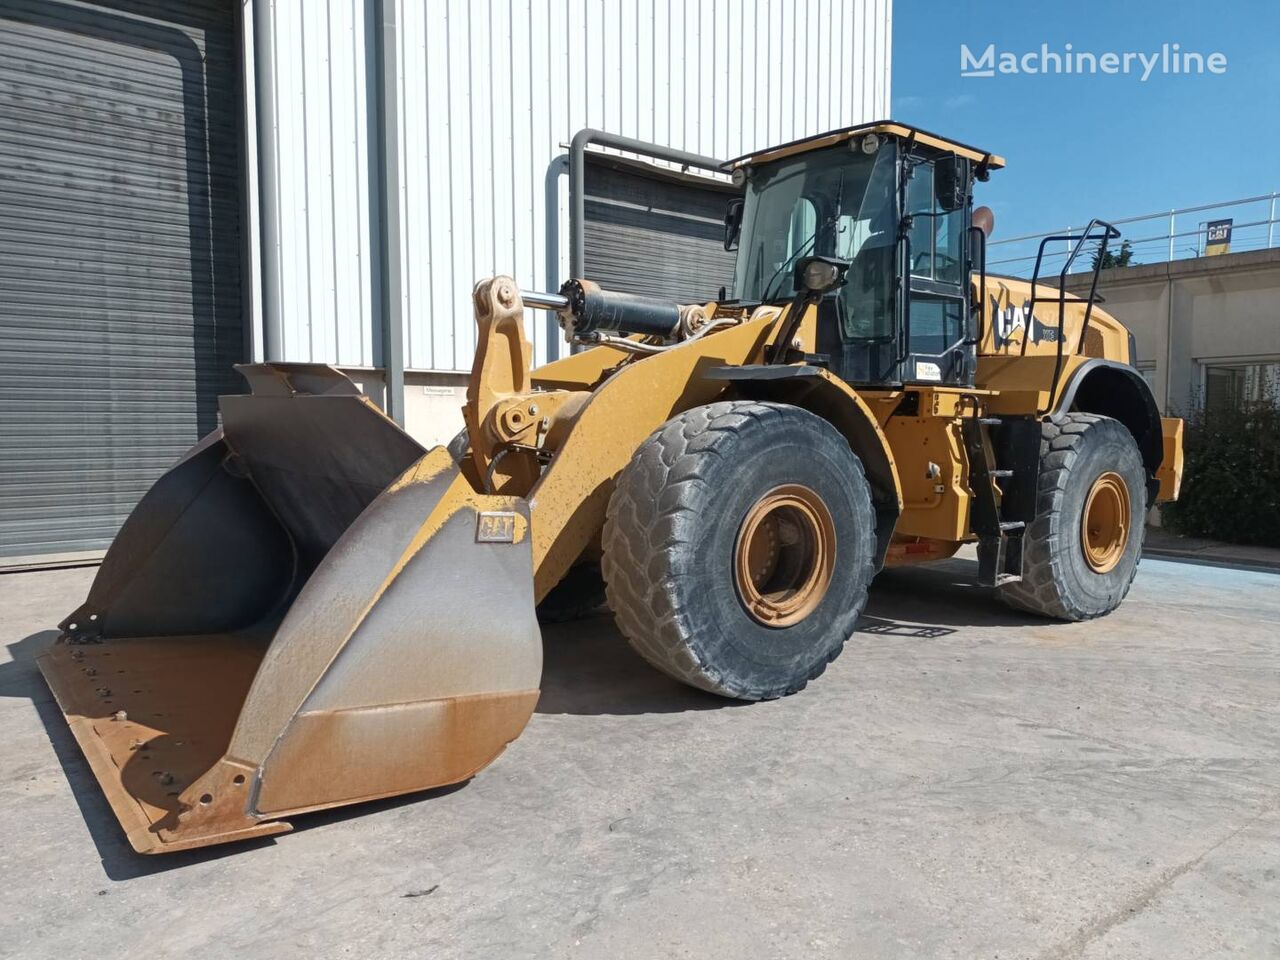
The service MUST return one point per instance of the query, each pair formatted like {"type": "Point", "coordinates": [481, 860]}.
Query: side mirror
{"type": "Point", "coordinates": [733, 223]}
{"type": "Point", "coordinates": [950, 183]}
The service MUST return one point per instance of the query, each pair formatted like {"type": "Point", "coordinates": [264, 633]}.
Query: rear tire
{"type": "Point", "coordinates": [1068, 572]}
{"type": "Point", "coordinates": [738, 547]}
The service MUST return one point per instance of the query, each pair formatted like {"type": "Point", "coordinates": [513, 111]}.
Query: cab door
{"type": "Point", "coordinates": [939, 346]}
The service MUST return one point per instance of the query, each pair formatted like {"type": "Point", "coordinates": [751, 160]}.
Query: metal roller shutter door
{"type": "Point", "coordinates": [649, 234]}
{"type": "Point", "coordinates": [120, 313]}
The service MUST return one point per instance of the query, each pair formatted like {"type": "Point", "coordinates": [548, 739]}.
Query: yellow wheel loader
{"type": "Point", "coordinates": [311, 610]}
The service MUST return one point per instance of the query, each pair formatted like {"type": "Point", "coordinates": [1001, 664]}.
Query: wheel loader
{"type": "Point", "coordinates": [310, 609]}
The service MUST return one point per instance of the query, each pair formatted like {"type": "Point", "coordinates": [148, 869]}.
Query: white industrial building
{"type": "Point", "coordinates": [185, 186]}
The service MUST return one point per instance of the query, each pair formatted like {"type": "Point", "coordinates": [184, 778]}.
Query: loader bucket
{"type": "Point", "coordinates": [308, 610]}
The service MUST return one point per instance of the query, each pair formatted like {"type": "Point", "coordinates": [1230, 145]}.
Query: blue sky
{"type": "Point", "coordinates": [1109, 146]}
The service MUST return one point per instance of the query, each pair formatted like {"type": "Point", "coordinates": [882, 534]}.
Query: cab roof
{"type": "Point", "coordinates": [887, 128]}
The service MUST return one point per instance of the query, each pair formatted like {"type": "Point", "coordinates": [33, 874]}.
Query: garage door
{"type": "Point", "coordinates": [649, 234]}
{"type": "Point", "coordinates": [119, 256]}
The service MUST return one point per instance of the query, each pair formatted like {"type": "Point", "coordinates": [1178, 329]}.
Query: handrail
{"type": "Point", "coordinates": [1150, 216]}
{"type": "Point", "coordinates": [1108, 234]}
{"type": "Point", "coordinates": [1199, 232]}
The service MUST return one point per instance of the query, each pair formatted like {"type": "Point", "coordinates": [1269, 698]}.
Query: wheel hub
{"type": "Point", "coordinates": [785, 555]}
{"type": "Point", "coordinates": [1105, 523]}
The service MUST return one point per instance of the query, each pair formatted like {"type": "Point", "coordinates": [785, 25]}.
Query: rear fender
{"type": "Point", "coordinates": [1116, 390]}
{"type": "Point", "coordinates": [1170, 473]}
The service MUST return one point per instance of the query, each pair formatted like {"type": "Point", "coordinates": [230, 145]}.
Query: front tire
{"type": "Point", "coordinates": [738, 547]}
{"type": "Point", "coordinates": [1081, 552]}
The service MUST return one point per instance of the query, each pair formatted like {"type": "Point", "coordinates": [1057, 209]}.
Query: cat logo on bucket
{"type": "Point", "coordinates": [496, 527]}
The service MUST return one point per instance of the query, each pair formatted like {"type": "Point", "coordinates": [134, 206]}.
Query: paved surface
{"type": "Point", "coordinates": [1168, 545]}
{"type": "Point", "coordinates": [963, 782]}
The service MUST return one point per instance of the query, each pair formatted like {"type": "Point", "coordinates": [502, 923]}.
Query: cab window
{"type": "Point", "coordinates": [937, 238]}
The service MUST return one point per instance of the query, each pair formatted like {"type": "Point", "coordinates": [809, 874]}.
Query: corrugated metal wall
{"type": "Point", "coordinates": [655, 237]}
{"type": "Point", "coordinates": [120, 255]}
{"type": "Point", "coordinates": [491, 92]}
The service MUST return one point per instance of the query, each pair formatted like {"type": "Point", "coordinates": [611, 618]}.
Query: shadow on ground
{"type": "Point", "coordinates": [934, 600]}
{"type": "Point", "coordinates": [21, 678]}
{"type": "Point", "coordinates": [589, 669]}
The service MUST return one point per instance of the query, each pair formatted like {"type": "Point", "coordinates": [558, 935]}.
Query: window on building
{"type": "Point", "coordinates": [1241, 384]}
{"type": "Point", "coordinates": [1148, 370]}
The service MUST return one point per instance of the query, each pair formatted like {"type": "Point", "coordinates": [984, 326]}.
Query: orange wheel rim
{"type": "Point", "coordinates": [785, 555]}
{"type": "Point", "coordinates": [1104, 527]}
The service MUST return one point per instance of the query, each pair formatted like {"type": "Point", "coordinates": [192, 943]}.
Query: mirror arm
{"type": "Point", "coordinates": [733, 224]}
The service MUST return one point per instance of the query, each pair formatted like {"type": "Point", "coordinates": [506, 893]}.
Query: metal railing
{"type": "Point", "coordinates": [1261, 231]}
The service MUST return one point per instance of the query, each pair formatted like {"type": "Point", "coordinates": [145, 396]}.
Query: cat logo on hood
{"type": "Point", "coordinates": [1011, 318]}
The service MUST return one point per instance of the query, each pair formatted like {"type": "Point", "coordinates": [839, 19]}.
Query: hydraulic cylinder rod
{"type": "Point", "coordinates": [544, 301]}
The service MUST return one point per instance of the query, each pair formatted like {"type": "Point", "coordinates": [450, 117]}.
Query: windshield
{"type": "Point", "coordinates": [834, 202]}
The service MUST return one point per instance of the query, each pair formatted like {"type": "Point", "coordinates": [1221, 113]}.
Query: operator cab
{"type": "Point", "coordinates": [891, 201]}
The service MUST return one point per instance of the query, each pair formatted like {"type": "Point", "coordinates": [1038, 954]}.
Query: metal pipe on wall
{"type": "Point", "coordinates": [264, 84]}
{"type": "Point", "coordinates": [388, 175]}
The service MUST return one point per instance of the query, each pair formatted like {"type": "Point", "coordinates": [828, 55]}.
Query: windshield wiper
{"type": "Point", "coordinates": [768, 287]}
{"type": "Point", "coordinates": [768, 294]}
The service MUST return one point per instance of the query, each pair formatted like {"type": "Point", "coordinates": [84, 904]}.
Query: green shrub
{"type": "Point", "coordinates": [1231, 476]}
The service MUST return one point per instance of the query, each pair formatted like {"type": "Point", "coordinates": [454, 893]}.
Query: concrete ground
{"type": "Point", "coordinates": [963, 782]}
{"type": "Point", "coordinates": [1167, 545]}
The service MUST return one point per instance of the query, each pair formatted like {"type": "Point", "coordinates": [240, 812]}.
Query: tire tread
{"type": "Point", "coordinates": [656, 497]}
{"type": "Point", "coordinates": [1041, 589]}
